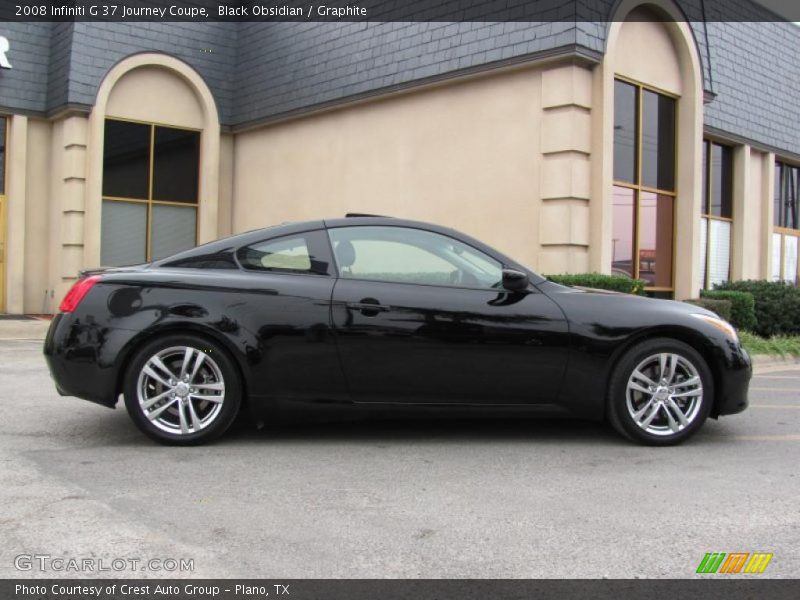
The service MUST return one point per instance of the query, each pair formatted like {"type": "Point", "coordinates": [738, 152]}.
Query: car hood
{"type": "Point", "coordinates": [622, 302]}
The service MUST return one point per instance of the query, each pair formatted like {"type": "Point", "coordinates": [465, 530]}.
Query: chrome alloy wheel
{"type": "Point", "coordinates": [181, 390]}
{"type": "Point", "coordinates": [664, 394]}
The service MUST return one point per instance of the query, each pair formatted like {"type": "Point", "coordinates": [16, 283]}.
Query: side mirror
{"type": "Point", "coordinates": [515, 281]}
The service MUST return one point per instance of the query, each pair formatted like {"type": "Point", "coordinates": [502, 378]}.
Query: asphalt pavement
{"type": "Point", "coordinates": [400, 498]}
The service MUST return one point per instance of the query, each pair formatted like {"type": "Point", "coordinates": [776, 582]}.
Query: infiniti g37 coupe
{"type": "Point", "coordinates": [370, 312]}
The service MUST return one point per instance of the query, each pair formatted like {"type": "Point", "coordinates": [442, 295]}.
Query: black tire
{"type": "Point", "coordinates": [619, 414]}
{"type": "Point", "coordinates": [214, 364]}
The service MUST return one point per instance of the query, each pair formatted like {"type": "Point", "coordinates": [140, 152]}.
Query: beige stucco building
{"type": "Point", "coordinates": [570, 161]}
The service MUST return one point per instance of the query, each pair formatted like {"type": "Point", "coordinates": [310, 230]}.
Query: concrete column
{"type": "Point", "coordinates": [16, 193]}
{"type": "Point", "coordinates": [745, 209]}
{"type": "Point", "coordinates": [767, 214]}
{"type": "Point", "coordinates": [565, 172]}
{"type": "Point", "coordinates": [68, 197]}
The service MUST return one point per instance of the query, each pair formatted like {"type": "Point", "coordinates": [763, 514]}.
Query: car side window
{"type": "Point", "coordinates": [287, 254]}
{"type": "Point", "coordinates": [408, 255]}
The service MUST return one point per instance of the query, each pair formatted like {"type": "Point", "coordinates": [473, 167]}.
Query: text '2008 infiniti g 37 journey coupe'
{"type": "Point", "coordinates": [372, 312]}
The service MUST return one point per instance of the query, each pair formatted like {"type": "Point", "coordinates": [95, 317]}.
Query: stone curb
{"type": "Point", "coordinates": [29, 329]}
{"type": "Point", "coordinates": [764, 363]}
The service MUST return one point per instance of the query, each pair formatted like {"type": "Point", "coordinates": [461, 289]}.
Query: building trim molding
{"type": "Point", "coordinates": [209, 149]}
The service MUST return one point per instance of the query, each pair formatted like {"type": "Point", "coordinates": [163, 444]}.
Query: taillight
{"type": "Point", "coordinates": [77, 292]}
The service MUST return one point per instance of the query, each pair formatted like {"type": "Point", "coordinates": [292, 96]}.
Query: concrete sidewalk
{"type": "Point", "coordinates": [23, 328]}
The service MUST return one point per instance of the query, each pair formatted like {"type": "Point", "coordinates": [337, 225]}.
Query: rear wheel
{"type": "Point", "coordinates": [182, 389]}
{"type": "Point", "coordinates": [660, 392]}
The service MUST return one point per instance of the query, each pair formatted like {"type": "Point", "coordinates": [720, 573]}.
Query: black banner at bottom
{"type": "Point", "coordinates": [396, 589]}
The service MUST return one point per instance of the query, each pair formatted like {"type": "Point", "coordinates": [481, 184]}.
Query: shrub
{"type": "Point", "coordinates": [616, 283]}
{"type": "Point", "coordinates": [720, 306]}
{"type": "Point", "coordinates": [743, 307]}
{"type": "Point", "coordinates": [777, 305]}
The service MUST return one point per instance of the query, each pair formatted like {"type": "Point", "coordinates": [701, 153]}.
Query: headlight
{"type": "Point", "coordinates": [720, 324]}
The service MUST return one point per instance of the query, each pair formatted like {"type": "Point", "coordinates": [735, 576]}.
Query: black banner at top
{"type": "Point", "coordinates": [390, 10]}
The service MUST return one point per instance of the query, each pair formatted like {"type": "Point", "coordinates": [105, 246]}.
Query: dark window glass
{"type": "Point", "coordinates": [655, 239]}
{"type": "Point", "coordinates": [787, 196]}
{"type": "Point", "coordinates": [721, 181]}
{"type": "Point", "coordinates": [623, 231]}
{"type": "Point", "coordinates": [658, 141]}
{"type": "Point", "coordinates": [624, 132]}
{"type": "Point", "coordinates": [792, 201]}
{"type": "Point", "coordinates": [126, 159]}
{"type": "Point", "coordinates": [2, 155]}
{"type": "Point", "coordinates": [176, 157]}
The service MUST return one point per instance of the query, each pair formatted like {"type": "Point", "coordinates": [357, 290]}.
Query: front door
{"type": "Point", "coordinates": [421, 317]}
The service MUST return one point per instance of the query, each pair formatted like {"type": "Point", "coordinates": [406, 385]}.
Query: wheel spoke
{"type": "Point", "coordinates": [698, 391]}
{"type": "Point", "coordinates": [193, 415]}
{"type": "Point", "coordinates": [691, 381]}
{"type": "Point", "coordinates": [154, 400]}
{"type": "Point", "coordinates": [215, 385]}
{"type": "Point", "coordinates": [638, 414]}
{"type": "Point", "coordinates": [214, 399]}
{"type": "Point", "coordinates": [201, 356]}
{"type": "Point", "coordinates": [182, 417]}
{"type": "Point", "coordinates": [672, 365]}
{"type": "Point", "coordinates": [635, 386]}
{"type": "Point", "coordinates": [157, 376]}
{"type": "Point", "coordinates": [157, 362]}
{"type": "Point", "coordinates": [642, 377]}
{"type": "Point", "coordinates": [187, 359]}
{"type": "Point", "coordinates": [673, 425]}
{"type": "Point", "coordinates": [153, 415]}
{"type": "Point", "coordinates": [651, 415]}
{"type": "Point", "coordinates": [662, 364]}
{"type": "Point", "coordinates": [671, 404]}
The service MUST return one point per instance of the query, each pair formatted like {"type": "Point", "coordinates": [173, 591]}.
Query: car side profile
{"type": "Point", "coordinates": [366, 312]}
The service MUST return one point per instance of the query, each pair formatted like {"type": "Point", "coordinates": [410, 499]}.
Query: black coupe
{"type": "Point", "coordinates": [371, 312]}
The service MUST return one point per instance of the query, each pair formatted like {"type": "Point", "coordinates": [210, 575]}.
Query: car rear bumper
{"type": "Point", "coordinates": [74, 351]}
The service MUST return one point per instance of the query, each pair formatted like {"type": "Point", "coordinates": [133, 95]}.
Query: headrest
{"type": "Point", "coordinates": [345, 254]}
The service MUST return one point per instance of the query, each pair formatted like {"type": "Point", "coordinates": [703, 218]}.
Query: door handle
{"type": "Point", "coordinates": [369, 307]}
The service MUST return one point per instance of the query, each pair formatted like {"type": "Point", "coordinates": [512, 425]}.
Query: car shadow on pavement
{"type": "Point", "coordinates": [415, 430]}
{"type": "Point", "coordinates": [116, 429]}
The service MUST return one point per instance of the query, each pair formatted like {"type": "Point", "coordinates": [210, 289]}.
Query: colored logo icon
{"type": "Point", "coordinates": [734, 562]}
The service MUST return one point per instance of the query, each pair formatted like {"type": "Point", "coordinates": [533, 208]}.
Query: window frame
{"type": "Point", "coordinates": [780, 229]}
{"type": "Point", "coordinates": [705, 209]}
{"type": "Point", "coordinates": [637, 186]}
{"type": "Point", "coordinates": [502, 263]}
{"type": "Point", "coordinates": [149, 201]}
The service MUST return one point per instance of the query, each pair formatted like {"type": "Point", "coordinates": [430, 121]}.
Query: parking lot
{"type": "Point", "coordinates": [394, 499]}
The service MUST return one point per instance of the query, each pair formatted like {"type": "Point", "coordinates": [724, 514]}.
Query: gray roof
{"type": "Point", "coordinates": [259, 71]}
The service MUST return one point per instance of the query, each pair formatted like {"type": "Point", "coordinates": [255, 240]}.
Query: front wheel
{"type": "Point", "coordinates": [182, 390]}
{"type": "Point", "coordinates": [660, 392]}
